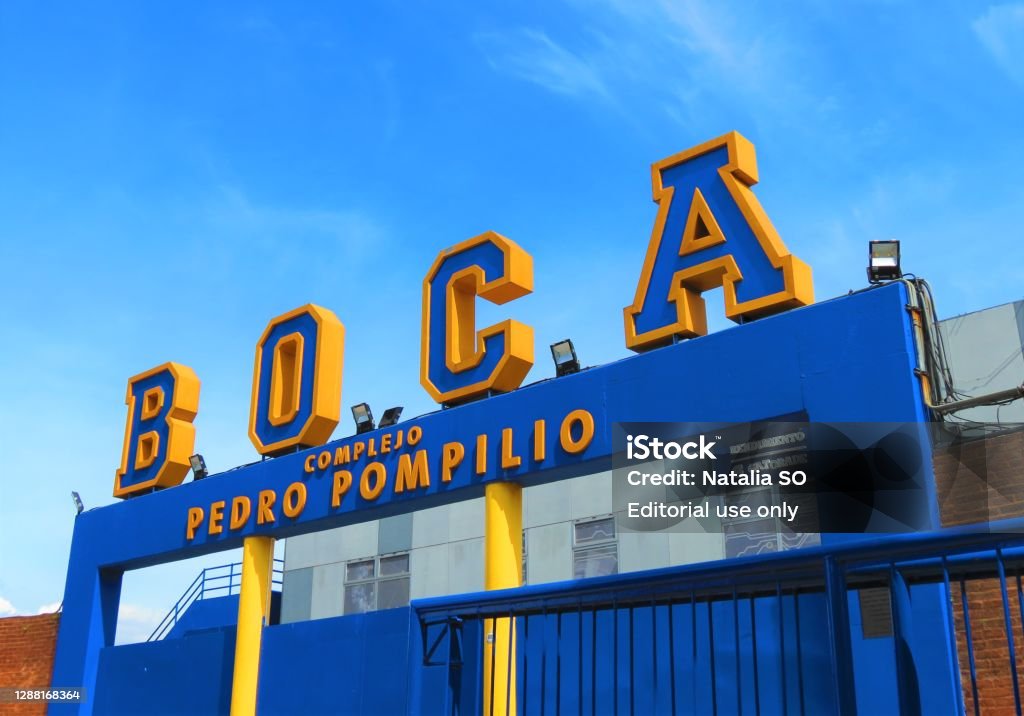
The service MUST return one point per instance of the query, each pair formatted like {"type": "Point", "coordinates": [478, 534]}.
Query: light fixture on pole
{"type": "Point", "coordinates": [79, 507]}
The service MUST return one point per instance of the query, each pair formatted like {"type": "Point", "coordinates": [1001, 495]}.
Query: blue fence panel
{"type": "Point", "coordinates": [346, 665]}
{"type": "Point", "coordinates": [779, 634]}
{"type": "Point", "coordinates": [175, 676]}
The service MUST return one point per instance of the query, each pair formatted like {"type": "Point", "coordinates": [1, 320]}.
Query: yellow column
{"type": "Point", "coordinates": [503, 569]}
{"type": "Point", "coordinates": [253, 615]}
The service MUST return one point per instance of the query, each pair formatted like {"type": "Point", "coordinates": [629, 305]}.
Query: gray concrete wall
{"type": "Point", "coordinates": [985, 356]}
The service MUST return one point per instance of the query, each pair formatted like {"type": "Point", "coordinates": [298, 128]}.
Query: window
{"type": "Point", "coordinates": [377, 583]}
{"type": "Point", "coordinates": [594, 550]}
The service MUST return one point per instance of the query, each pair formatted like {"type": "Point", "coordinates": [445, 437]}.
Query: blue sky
{"type": "Point", "coordinates": [174, 175]}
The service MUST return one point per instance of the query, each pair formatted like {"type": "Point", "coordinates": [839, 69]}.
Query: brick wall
{"type": "Point", "coordinates": [978, 481]}
{"type": "Point", "coordinates": [27, 645]}
{"type": "Point", "coordinates": [981, 480]}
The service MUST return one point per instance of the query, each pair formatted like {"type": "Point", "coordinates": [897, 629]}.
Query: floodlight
{"type": "Point", "coordinates": [79, 507]}
{"type": "Point", "coordinates": [391, 416]}
{"type": "Point", "coordinates": [364, 418]}
{"type": "Point", "coordinates": [199, 470]}
{"type": "Point", "coordinates": [883, 261]}
{"type": "Point", "coordinates": [564, 355]}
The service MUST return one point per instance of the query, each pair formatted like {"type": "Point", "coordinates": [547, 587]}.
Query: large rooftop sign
{"type": "Point", "coordinates": [710, 231]}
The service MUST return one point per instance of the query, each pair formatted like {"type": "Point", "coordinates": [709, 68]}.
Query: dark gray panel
{"type": "Point", "coordinates": [395, 534]}
{"type": "Point", "coordinates": [296, 595]}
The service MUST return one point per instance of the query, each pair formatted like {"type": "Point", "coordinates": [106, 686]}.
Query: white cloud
{"type": "Point", "coordinates": [241, 234]}
{"type": "Point", "coordinates": [48, 608]}
{"type": "Point", "coordinates": [694, 26]}
{"type": "Point", "coordinates": [234, 212]}
{"type": "Point", "coordinates": [1001, 31]}
{"type": "Point", "coordinates": [701, 49]}
{"type": "Point", "coordinates": [689, 59]}
{"type": "Point", "coordinates": [135, 623]}
{"type": "Point", "coordinates": [533, 56]}
{"type": "Point", "coordinates": [6, 608]}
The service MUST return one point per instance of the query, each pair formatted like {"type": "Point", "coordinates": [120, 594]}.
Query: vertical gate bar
{"type": "Point", "coordinates": [693, 626]}
{"type": "Point", "coordinates": [970, 645]}
{"type": "Point", "coordinates": [799, 652]}
{"type": "Point", "coordinates": [543, 660]}
{"type": "Point", "coordinates": [511, 659]}
{"type": "Point", "coordinates": [632, 670]}
{"type": "Point", "coordinates": [593, 661]}
{"type": "Point", "coordinates": [449, 707]}
{"type": "Point", "coordinates": [782, 647]}
{"type": "Point", "coordinates": [492, 629]}
{"type": "Point", "coordinates": [1020, 600]}
{"type": "Point", "coordinates": [736, 644]}
{"type": "Point", "coordinates": [839, 636]}
{"type": "Point", "coordinates": [753, 646]}
{"type": "Point", "coordinates": [526, 661]}
{"type": "Point", "coordinates": [1008, 621]}
{"type": "Point", "coordinates": [954, 661]}
{"type": "Point", "coordinates": [906, 676]}
{"type": "Point", "coordinates": [895, 612]}
{"type": "Point", "coordinates": [479, 686]}
{"type": "Point", "coordinates": [558, 662]}
{"type": "Point", "coordinates": [615, 655]}
{"type": "Point", "coordinates": [579, 664]}
{"type": "Point", "coordinates": [654, 648]}
{"type": "Point", "coordinates": [671, 656]}
{"type": "Point", "coordinates": [711, 646]}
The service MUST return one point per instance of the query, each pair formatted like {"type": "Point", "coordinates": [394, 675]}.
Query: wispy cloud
{"type": "Point", "coordinates": [232, 210]}
{"type": "Point", "coordinates": [135, 623]}
{"type": "Point", "coordinates": [1001, 31]}
{"type": "Point", "coordinates": [531, 55]}
{"type": "Point", "coordinates": [48, 608]}
{"type": "Point", "coordinates": [6, 608]}
{"type": "Point", "coordinates": [688, 58]}
{"type": "Point", "coordinates": [280, 239]}
{"type": "Point", "coordinates": [699, 30]}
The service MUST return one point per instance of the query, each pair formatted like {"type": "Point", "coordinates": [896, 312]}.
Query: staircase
{"type": "Point", "coordinates": [212, 601]}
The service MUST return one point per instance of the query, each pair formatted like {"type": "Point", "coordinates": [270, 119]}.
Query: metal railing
{"type": "Point", "coordinates": [769, 634]}
{"type": "Point", "coordinates": [220, 581]}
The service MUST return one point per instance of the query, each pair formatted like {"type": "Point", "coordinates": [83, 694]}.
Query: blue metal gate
{"type": "Point", "coordinates": [786, 633]}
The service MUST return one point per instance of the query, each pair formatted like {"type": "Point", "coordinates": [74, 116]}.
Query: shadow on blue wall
{"type": "Point", "coordinates": [174, 676]}
{"type": "Point", "coordinates": [216, 612]}
{"type": "Point", "coordinates": [358, 664]}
